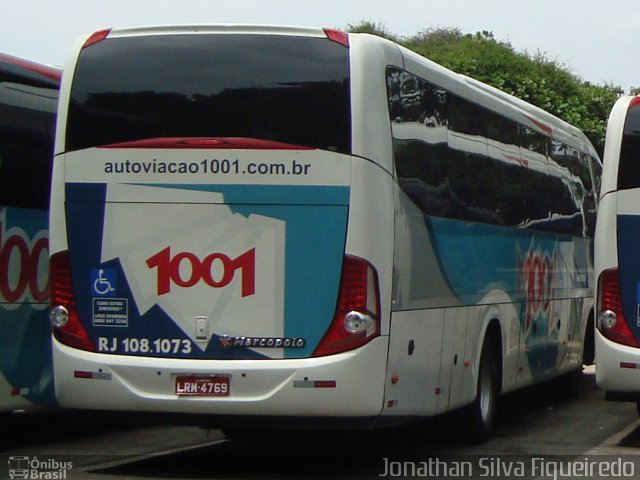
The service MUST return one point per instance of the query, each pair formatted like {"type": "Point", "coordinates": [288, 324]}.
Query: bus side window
{"type": "Point", "coordinates": [24, 183]}
{"type": "Point", "coordinates": [418, 116]}
{"type": "Point", "coordinates": [596, 174]}
{"type": "Point", "coordinates": [456, 159]}
{"type": "Point", "coordinates": [590, 202]}
{"type": "Point", "coordinates": [26, 146]}
{"type": "Point", "coordinates": [566, 165]}
{"type": "Point", "coordinates": [533, 141]}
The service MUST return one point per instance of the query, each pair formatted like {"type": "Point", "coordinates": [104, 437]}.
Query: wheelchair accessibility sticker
{"type": "Point", "coordinates": [108, 311]}
{"type": "Point", "coordinates": [103, 282]}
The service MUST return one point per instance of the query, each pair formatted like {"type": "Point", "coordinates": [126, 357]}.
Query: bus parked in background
{"type": "Point", "coordinates": [269, 223]}
{"type": "Point", "coordinates": [617, 257]}
{"type": "Point", "coordinates": [28, 102]}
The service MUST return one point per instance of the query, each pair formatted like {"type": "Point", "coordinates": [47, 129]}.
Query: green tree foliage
{"type": "Point", "coordinates": [535, 78]}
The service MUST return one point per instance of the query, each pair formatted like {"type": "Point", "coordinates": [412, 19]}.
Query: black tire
{"type": "Point", "coordinates": [589, 347]}
{"type": "Point", "coordinates": [480, 415]}
{"type": "Point", "coordinates": [638, 406]}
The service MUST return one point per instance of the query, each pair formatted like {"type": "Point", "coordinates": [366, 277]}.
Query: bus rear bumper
{"type": "Point", "coordinates": [350, 384]}
{"type": "Point", "coordinates": [617, 370]}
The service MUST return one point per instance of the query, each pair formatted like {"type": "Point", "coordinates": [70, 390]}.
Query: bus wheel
{"type": "Point", "coordinates": [638, 406]}
{"type": "Point", "coordinates": [481, 413]}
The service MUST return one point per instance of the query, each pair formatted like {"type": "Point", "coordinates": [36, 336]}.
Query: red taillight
{"type": "Point", "coordinates": [337, 36]}
{"type": "Point", "coordinates": [611, 321]}
{"type": "Point", "coordinates": [72, 333]}
{"type": "Point", "coordinates": [96, 37]}
{"type": "Point", "coordinates": [357, 317]}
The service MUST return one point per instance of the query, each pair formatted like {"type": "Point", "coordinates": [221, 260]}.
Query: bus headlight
{"type": "Point", "coordinates": [59, 316]}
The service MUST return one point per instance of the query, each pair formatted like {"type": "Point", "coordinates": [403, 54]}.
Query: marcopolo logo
{"type": "Point", "coordinates": [34, 468]}
{"type": "Point", "coordinates": [24, 264]}
{"type": "Point", "coordinates": [217, 270]}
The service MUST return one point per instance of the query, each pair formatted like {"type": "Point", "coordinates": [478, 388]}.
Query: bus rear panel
{"type": "Point", "coordinates": [291, 222]}
{"type": "Point", "coordinates": [205, 180]}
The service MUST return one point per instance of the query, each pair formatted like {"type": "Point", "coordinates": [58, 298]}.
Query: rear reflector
{"type": "Point", "coordinates": [628, 365]}
{"type": "Point", "coordinates": [89, 375]}
{"type": "Point", "coordinates": [324, 384]}
{"type": "Point", "coordinates": [314, 384]}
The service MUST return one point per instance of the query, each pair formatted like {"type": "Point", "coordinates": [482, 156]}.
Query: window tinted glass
{"type": "Point", "coordinates": [533, 141]}
{"type": "Point", "coordinates": [27, 124]}
{"type": "Point", "coordinates": [442, 155]}
{"type": "Point", "coordinates": [459, 160]}
{"type": "Point", "coordinates": [501, 129]}
{"type": "Point", "coordinates": [465, 117]}
{"type": "Point", "coordinates": [629, 169]}
{"type": "Point", "coordinates": [281, 88]}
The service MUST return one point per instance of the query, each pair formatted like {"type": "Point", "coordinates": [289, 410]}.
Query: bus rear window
{"type": "Point", "coordinates": [629, 167]}
{"type": "Point", "coordinates": [287, 89]}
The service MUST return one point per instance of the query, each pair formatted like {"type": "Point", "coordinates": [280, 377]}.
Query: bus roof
{"type": "Point", "coordinates": [219, 29]}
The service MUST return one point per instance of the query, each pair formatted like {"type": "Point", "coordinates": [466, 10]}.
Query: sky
{"type": "Point", "coordinates": [595, 39]}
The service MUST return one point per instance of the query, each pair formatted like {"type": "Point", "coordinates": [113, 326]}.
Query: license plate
{"type": "Point", "coordinates": [198, 386]}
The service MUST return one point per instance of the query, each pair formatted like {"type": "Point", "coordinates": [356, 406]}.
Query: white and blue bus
{"type": "Point", "coordinates": [28, 102]}
{"type": "Point", "coordinates": [266, 223]}
{"type": "Point", "coordinates": [617, 260]}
